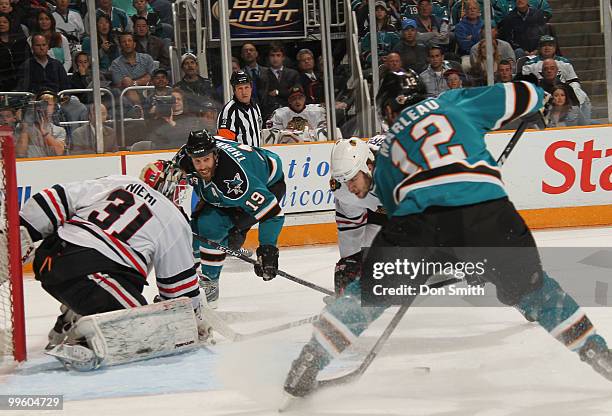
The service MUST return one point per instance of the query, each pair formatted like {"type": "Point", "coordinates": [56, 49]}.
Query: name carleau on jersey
{"type": "Point", "coordinates": [429, 160]}
{"type": "Point", "coordinates": [125, 220]}
{"type": "Point", "coordinates": [241, 179]}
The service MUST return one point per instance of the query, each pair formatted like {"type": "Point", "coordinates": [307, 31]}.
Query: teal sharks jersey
{"type": "Point", "coordinates": [435, 154]}
{"type": "Point", "coordinates": [241, 179]}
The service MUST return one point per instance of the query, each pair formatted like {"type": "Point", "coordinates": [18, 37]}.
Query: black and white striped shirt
{"type": "Point", "coordinates": [240, 122]}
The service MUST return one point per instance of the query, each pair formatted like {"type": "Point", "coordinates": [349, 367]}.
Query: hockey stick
{"type": "Point", "coordinates": [356, 373]}
{"type": "Point", "coordinates": [241, 256]}
{"type": "Point", "coordinates": [537, 118]}
{"type": "Point", "coordinates": [218, 324]}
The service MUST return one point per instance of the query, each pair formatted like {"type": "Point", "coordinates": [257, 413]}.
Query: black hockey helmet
{"type": "Point", "coordinates": [240, 77]}
{"type": "Point", "coordinates": [400, 90]}
{"type": "Point", "coordinates": [200, 143]}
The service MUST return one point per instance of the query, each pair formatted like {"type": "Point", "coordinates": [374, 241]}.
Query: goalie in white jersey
{"type": "Point", "coordinates": [358, 219]}
{"type": "Point", "coordinates": [101, 239]}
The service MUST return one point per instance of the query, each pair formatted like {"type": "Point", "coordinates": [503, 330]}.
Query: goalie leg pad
{"type": "Point", "coordinates": [135, 334]}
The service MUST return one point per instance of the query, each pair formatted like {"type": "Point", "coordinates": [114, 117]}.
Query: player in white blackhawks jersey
{"type": "Point", "coordinates": [102, 237]}
{"type": "Point", "coordinates": [358, 219]}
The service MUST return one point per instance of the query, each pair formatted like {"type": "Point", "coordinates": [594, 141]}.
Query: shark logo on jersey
{"type": "Point", "coordinates": [234, 185]}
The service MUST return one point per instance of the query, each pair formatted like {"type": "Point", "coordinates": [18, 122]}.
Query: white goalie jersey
{"type": "Point", "coordinates": [284, 118]}
{"type": "Point", "coordinates": [123, 219]}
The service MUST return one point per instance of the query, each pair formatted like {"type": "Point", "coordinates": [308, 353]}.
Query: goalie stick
{"type": "Point", "coordinates": [241, 256]}
{"type": "Point", "coordinates": [358, 372]}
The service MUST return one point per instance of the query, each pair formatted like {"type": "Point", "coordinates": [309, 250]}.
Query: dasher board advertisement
{"type": "Point", "coordinates": [260, 19]}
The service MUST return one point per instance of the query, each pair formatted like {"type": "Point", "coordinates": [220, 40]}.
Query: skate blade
{"type": "Point", "coordinates": [288, 402]}
{"type": "Point", "coordinates": [74, 357]}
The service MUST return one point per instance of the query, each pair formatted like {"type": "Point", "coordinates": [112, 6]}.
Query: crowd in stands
{"type": "Point", "coordinates": [45, 48]}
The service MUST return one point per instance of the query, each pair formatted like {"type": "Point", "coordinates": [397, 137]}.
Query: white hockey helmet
{"type": "Point", "coordinates": [348, 157]}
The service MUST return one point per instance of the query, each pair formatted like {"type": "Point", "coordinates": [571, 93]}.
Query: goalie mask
{"type": "Point", "coordinates": [349, 156]}
{"type": "Point", "coordinates": [165, 178]}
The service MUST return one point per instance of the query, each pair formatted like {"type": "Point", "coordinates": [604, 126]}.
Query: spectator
{"type": "Point", "coordinates": [196, 88]}
{"type": "Point", "coordinates": [14, 51]}
{"type": "Point", "coordinates": [384, 21]}
{"type": "Point", "coordinates": [386, 34]}
{"type": "Point", "coordinates": [393, 63]}
{"type": "Point", "coordinates": [81, 77]}
{"type": "Point", "coordinates": [504, 71]}
{"type": "Point", "coordinates": [298, 116]}
{"type": "Point", "coordinates": [39, 136]}
{"type": "Point", "coordinates": [564, 110]}
{"type": "Point", "coordinates": [156, 26]}
{"type": "Point", "coordinates": [108, 49]}
{"type": "Point", "coordinates": [208, 113]}
{"type": "Point", "coordinates": [131, 68]}
{"type": "Point", "coordinates": [412, 53]}
{"type": "Point", "coordinates": [433, 77]}
{"type": "Point", "coordinates": [235, 64]}
{"type": "Point", "coordinates": [555, 72]}
{"type": "Point", "coordinates": [118, 17]}
{"type": "Point", "coordinates": [453, 79]}
{"type": "Point", "coordinates": [150, 44]}
{"type": "Point", "coordinates": [431, 30]}
{"type": "Point", "coordinates": [15, 15]}
{"type": "Point", "coordinates": [161, 83]}
{"type": "Point", "coordinates": [9, 119]}
{"type": "Point", "coordinates": [547, 50]}
{"type": "Point", "coordinates": [478, 67]}
{"type": "Point", "coordinates": [311, 80]}
{"type": "Point", "coordinates": [281, 80]}
{"type": "Point", "coordinates": [467, 31]}
{"type": "Point", "coordinates": [503, 48]}
{"type": "Point", "coordinates": [41, 72]}
{"type": "Point", "coordinates": [84, 137]}
{"type": "Point", "coordinates": [522, 28]}
{"type": "Point", "coordinates": [59, 47]}
{"type": "Point", "coordinates": [174, 125]}
{"type": "Point", "coordinates": [164, 9]}
{"type": "Point", "coordinates": [68, 21]}
{"type": "Point", "coordinates": [258, 73]}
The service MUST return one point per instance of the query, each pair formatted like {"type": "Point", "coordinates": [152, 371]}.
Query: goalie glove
{"type": "Point", "coordinates": [267, 262]}
{"type": "Point", "coordinates": [27, 246]}
{"type": "Point", "coordinates": [347, 270]}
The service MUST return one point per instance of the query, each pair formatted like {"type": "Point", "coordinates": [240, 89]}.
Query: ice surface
{"type": "Point", "coordinates": [484, 361]}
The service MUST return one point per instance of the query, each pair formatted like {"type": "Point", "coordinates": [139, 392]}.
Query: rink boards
{"type": "Point", "coordinates": [557, 178]}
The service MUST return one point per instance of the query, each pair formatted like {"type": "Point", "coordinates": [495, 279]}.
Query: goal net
{"type": "Point", "coordinates": [12, 327]}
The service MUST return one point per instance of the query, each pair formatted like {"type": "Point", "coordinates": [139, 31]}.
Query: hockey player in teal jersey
{"type": "Point", "coordinates": [238, 186]}
{"type": "Point", "coordinates": [442, 188]}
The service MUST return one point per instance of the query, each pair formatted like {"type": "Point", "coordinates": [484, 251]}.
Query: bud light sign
{"type": "Point", "coordinates": [260, 19]}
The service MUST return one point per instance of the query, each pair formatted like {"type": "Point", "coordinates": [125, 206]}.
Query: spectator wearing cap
{"type": "Point", "coordinates": [161, 82]}
{"type": "Point", "coordinates": [523, 27]}
{"type": "Point", "coordinates": [412, 53]}
{"type": "Point", "coordinates": [384, 21]}
{"type": "Point", "coordinates": [467, 31]}
{"type": "Point", "coordinates": [504, 71]}
{"type": "Point", "coordinates": [453, 79]}
{"type": "Point", "coordinates": [150, 44]}
{"type": "Point", "coordinates": [386, 34]}
{"type": "Point", "coordinates": [131, 68]}
{"type": "Point", "coordinates": [41, 72]}
{"type": "Point", "coordinates": [14, 50]}
{"type": "Point", "coordinates": [433, 76]}
{"type": "Point", "coordinates": [281, 80]}
{"type": "Point", "coordinates": [208, 113]}
{"type": "Point", "coordinates": [547, 50]}
{"type": "Point", "coordinates": [240, 119]}
{"type": "Point", "coordinates": [432, 31]}
{"type": "Point", "coordinates": [298, 115]}
{"type": "Point", "coordinates": [197, 89]}
{"type": "Point", "coordinates": [310, 78]}
{"type": "Point", "coordinates": [84, 137]}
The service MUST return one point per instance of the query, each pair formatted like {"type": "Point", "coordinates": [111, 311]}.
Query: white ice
{"type": "Point", "coordinates": [483, 361]}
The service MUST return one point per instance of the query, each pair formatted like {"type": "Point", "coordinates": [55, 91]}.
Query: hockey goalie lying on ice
{"type": "Point", "coordinates": [100, 239]}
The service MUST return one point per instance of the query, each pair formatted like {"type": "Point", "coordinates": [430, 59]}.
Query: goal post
{"type": "Point", "coordinates": [12, 319]}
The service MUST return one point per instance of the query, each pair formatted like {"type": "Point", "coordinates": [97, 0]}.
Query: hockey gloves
{"type": "Point", "coordinates": [267, 262]}
{"type": "Point", "coordinates": [347, 269]}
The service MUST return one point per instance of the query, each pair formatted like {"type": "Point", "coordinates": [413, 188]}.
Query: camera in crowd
{"type": "Point", "coordinates": [163, 105]}
{"type": "Point", "coordinates": [35, 111]}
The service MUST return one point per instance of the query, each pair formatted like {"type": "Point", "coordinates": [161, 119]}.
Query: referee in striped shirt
{"type": "Point", "coordinates": [240, 119]}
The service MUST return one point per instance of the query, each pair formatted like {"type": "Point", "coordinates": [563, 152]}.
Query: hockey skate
{"type": "Point", "coordinates": [595, 352]}
{"type": "Point", "coordinates": [211, 290]}
{"type": "Point", "coordinates": [60, 330]}
{"type": "Point", "coordinates": [75, 357]}
{"type": "Point", "coordinates": [302, 377]}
